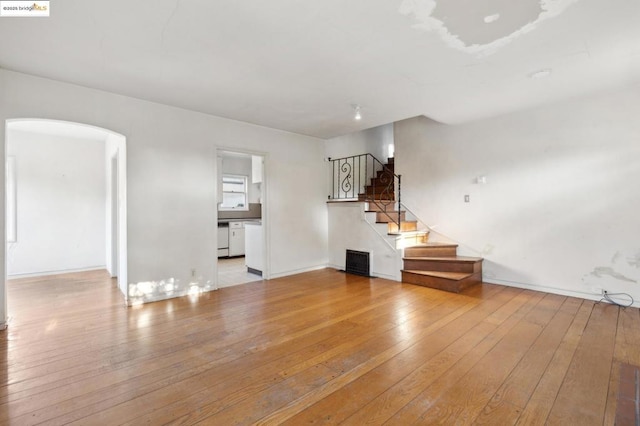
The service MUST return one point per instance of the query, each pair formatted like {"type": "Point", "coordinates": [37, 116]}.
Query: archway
{"type": "Point", "coordinates": [115, 205]}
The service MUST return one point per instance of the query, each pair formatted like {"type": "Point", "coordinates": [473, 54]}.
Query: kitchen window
{"type": "Point", "coordinates": [234, 193]}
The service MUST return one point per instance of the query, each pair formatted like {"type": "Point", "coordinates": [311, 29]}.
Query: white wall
{"type": "Point", "coordinates": [559, 210]}
{"type": "Point", "coordinates": [111, 209]}
{"type": "Point", "coordinates": [115, 209]}
{"type": "Point", "coordinates": [171, 180]}
{"type": "Point", "coordinates": [348, 229]}
{"type": "Point", "coordinates": [374, 141]}
{"type": "Point", "coordinates": [60, 204]}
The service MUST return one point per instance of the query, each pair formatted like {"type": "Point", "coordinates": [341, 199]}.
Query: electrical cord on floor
{"type": "Point", "coordinates": [607, 297]}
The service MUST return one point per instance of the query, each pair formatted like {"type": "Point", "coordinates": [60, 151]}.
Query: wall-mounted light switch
{"type": "Point", "coordinates": [466, 198]}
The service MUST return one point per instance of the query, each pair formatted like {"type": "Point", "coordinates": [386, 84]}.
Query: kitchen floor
{"type": "Point", "coordinates": [232, 271]}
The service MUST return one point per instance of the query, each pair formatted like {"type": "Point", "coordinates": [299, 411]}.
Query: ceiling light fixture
{"type": "Point", "coordinates": [540, 74]}
{"type": "Point", "coordinates": [356, 110]}
{"type": "Point", "coordinates": [491, 18]}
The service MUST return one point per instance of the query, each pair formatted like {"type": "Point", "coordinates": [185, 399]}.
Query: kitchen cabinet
{"type": "Point", "coordinates": [256, 169]}
{"type": "Point", "coordinates": [236, 239]}
{"type": "Point", "coordinates": [254, 258]}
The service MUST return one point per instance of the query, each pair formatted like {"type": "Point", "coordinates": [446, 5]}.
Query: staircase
{"type": "Point", "coordinates": [425, 263]}
{"type": "Point", "coordinates": [381, 199]}
{"type": "Point", "coordinates": [437, 265]}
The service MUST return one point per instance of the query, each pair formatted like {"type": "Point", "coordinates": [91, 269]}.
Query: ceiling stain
{"type": "Point", "coordinates": [481, 27]}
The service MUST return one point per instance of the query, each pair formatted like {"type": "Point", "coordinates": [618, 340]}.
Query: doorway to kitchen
{"type": "Point", "coordinates": [242, 255]}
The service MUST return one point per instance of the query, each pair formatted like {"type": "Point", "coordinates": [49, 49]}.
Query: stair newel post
{"type": "Point", "coordinates": [366, 170]}
{"type": "Point", "coordinates": [360, 174]}
{"type": "Point", "coordinates": [357, 188]}
{"type": "Point", "coordinates": [399, 200]}
{"type": "Point", "coordinates": [373, 175]}
{"type": "Point", "coordinates": [339, 180]}
{"type": "Point", "coordinates": [363, 179]}
{"type": "Point", "coordinates": [353, 177]}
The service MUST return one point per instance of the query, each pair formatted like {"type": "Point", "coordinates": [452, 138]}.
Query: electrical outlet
{"type": "Point", "coordinates": [466, 198]}
{"type": "Point", "coordinates": [193, 273]}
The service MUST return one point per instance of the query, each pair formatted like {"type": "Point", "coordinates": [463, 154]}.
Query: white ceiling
{"type": "Point", "coordinates": [301, 65]}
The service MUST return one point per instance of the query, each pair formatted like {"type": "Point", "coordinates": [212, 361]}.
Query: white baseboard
{"type": "Point", "coordinates": [62, 271]}
{"type": "Point", "coordinates": [373, 273]}
{"type": "Point", "coordinates": [553, 290]}
{"type": "Point", "coordinates": [297, 271]}
{"type": "Point", "coordinates": [386, 276]}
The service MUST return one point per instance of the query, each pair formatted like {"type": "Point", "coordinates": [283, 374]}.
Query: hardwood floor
{"type": "Point", "coordinates": [320, 347]}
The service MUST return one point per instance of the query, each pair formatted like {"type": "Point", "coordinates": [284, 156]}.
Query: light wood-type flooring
{"type": "Point", "coordinates": [320, 347]}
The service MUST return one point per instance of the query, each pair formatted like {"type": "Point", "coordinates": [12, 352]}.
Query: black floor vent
{"type": "Point", "coordinates": [357, 263]}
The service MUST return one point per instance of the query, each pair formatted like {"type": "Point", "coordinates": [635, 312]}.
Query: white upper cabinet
{"type": "Point", "coordinates": [256, 169]}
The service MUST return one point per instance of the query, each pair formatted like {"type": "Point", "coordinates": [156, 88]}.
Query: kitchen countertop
{"type": "Point", "coordinates": [257, 219]}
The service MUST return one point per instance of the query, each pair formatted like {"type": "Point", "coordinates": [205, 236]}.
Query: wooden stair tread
{"type": "Point", "coordinates": [407, 233]}
{"type": "Point", "coordinates": [446, 258]}
{"type": "Point", "coordinates": [432, 245]}
{"type": "Point", "coordinates": [404, 221]}
{"type": "Point", "coordinates": [456, 276]}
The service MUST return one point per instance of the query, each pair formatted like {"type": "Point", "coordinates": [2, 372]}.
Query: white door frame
{"type": "Point", "coordinates": [266, 232]}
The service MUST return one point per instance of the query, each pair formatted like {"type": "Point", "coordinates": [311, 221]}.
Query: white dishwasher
{"type": "Point", "coordinates": [223, 239]}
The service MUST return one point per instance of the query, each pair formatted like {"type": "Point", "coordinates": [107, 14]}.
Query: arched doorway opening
{"type": "Point", "coordinates": [34, 147]}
